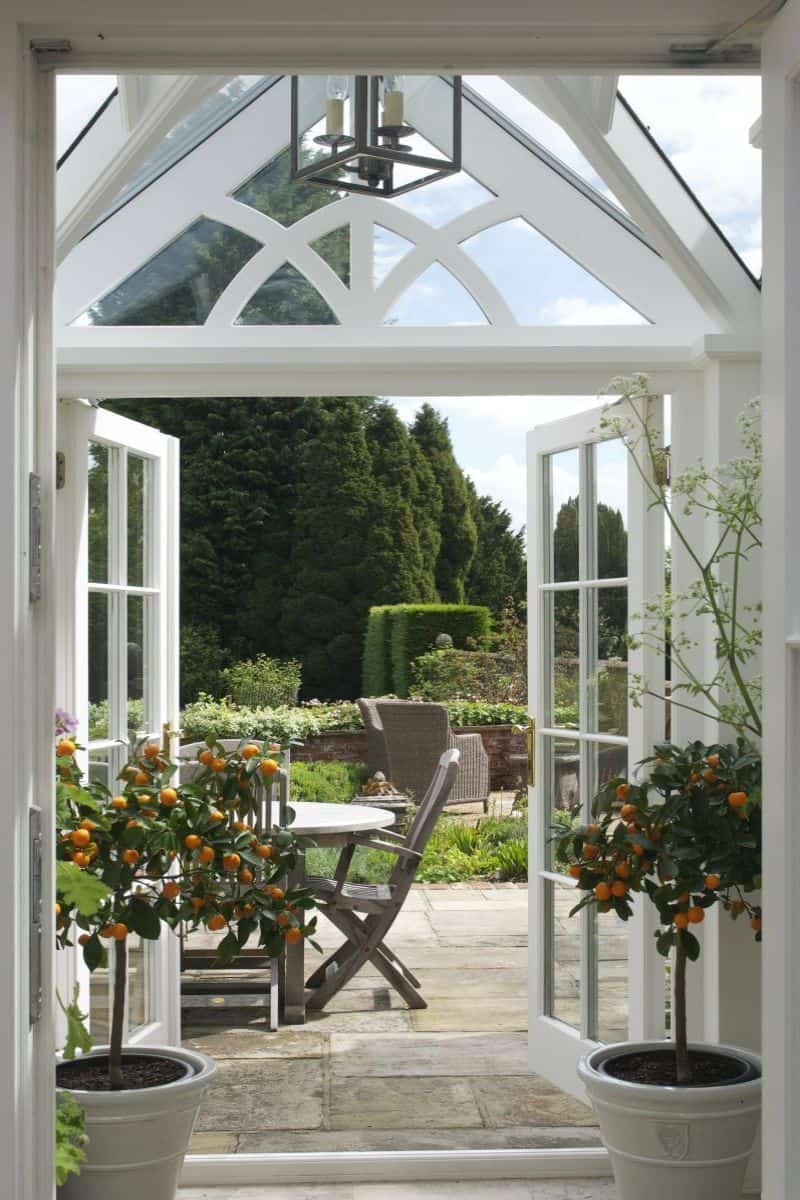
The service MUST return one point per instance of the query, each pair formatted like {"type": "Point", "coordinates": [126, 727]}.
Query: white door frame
{"type": "Point", "coordinates": [28, 632]}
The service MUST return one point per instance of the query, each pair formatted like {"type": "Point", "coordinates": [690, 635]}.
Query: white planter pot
{"type": "Point", "coordinates": [138, 1139]}
{"type": "Point", "coordinates": [666, 1142]}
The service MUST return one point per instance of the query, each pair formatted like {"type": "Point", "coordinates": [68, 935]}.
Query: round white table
{"type": "Point", "coordinates": [323, 825]}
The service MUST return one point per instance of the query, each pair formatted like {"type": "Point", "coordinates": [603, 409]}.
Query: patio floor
{"type": "Point", "coordinates": [368, 1074]}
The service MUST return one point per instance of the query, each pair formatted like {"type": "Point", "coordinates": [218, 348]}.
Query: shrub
{"type": "Point", "coordinates": [470, 712]}
{"type": "Point", "coordinates": [414, 628]}
{"type": "Point", "coordinates": [263, 682]}
{"type": "Point", "coordinates": [98, 719]}
{"type": "Point", "coordinates": [512, 859]}
{"type": "Point", "coordinates": [377, 669]}
{"type": "Point", "coordinates": [331, 782]}
{"type": "Point", "coordinates": [202, 658]}
{"type": "Point", "coordinates": [462, 674]}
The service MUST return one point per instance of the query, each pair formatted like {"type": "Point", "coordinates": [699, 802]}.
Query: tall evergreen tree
{"type": "Point", "coordinates": [457, 527]}
{"type": "Point", "coordinates": [498, 570]}
{"type": "Point", "coordinates": [325, 606]}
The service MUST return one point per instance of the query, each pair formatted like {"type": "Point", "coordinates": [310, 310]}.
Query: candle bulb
{"type": "Point", "coordinates": [392, 100]}
{"type": "Point", "coordinates": [334, 113]}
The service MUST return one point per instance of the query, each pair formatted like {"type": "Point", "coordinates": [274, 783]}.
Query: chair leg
{"type": "Point", "coordinates": [334, 960]}
{"type": "Point", "coordinates": [397, 980]}
{"type": "Point", "coordinates": [398, 962]}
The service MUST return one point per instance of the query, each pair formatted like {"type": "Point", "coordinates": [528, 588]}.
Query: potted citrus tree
{"type": "Point", "coordinates": [143, 859]}
{"type": "Point", "coordinates": [684, 832]}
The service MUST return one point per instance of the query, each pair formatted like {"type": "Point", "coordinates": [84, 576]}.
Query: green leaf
{"type": "Point", "coordinates": [80, 889]}
{"type": "Point", "coordinates": [70, 1138]}
{"type": "Point", "coordinates": [144, 920]}
{"type": "Point", "coordinates": [692, 946]}
{"type": "Point", "coordinates": [665, 941]}
{"type": "Point", "coordinates": [228, 948]}
{"type": "Point", "coordinates": [78, 1037]}
{"type": "Point", "coordinates": [94, 953]}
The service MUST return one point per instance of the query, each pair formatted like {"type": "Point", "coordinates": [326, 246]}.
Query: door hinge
{"type": "Point", "coordinates": [34, 538]}
{"type": "Point", "coordinates": [36, 933]}
{"type": "Point", "coordinates": [61, 470]}
{"type": "Point", "coordinates": [51, 45]}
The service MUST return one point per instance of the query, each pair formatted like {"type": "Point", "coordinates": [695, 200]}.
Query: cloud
{"type": "Point", "coordinates": [519, 413]}
{"type": "Point", "coordinates": [575, 310]}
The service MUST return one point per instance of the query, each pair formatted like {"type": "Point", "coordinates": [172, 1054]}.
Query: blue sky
{"type": "Point", "coordinates": [702, 123]}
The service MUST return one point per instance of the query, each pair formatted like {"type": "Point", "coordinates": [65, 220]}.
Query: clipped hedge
{"type": "Point", "coordinates": [376, 664]}
{"type": "Point", "coordinates": [414, 628]}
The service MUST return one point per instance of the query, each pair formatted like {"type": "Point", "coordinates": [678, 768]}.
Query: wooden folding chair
{"type": "Point", "coordinates": [365, 912]}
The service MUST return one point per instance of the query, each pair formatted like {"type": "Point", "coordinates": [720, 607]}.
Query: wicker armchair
{"type": "Point", "coordinates": [406, 739]}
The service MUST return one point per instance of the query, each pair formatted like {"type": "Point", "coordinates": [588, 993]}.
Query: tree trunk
{"type": "Point", "coordinates": [118, 1015]}
{"type": "Point", "coordinates": [683, 1067]}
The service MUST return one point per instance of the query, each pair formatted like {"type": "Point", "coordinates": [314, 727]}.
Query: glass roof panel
{"type": "Point", "coordinates": [273, 192]}
{"type": "Point", "coordinates": [287, 298]}
{"type": "Point", "coordinates": [543, 129]}
{"type": "Point", "coordinates": [78, 97]}
{"type": "Point", "coordinates": [712, 155]}
{"type": "Point", "coordinates": [180, 284]}
{"type": "Point", "coordinates": [436, 298]}
{"type": "Point", "coordinates": [540, 283]}
{"type": "Point", "coordinates": [334, 249]}
{"type": "Point", "coordinates": [388, 248]}
{"type": "Point", "coordinates": [443, 201]}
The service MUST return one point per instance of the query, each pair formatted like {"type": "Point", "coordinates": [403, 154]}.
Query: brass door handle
{"type": "Point", "coordinates": [530, 737]}
{"type": "Point", "coordinates": [167, 734]}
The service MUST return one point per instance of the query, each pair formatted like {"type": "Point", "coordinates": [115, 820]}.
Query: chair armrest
{"type": "Point", "coordinates": [364, 839]}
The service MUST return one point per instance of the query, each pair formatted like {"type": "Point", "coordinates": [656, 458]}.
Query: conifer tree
{"type": "Point", "coordinates": [498, 570]}
{"type": "Point", "coordinates": [457, 527]}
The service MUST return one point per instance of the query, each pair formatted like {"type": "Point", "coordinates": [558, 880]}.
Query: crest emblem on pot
{"type": "Point", "coordinates": [674, 1140]}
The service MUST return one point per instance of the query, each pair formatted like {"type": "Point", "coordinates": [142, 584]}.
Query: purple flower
{"type": "Point", "coordinates": [65, 722]}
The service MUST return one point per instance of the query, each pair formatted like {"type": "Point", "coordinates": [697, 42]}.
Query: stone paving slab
{"type": "Point", "coordinates": [247, 1096]}
{"type": "Point", "coordinates": [528, 1100]}
{"type": "Point", "coordinates": [287, 1043]}
{"type": "Point", "coordinates": [523, 1137]}
{"type": "Point", "coordinates": [472, 1015]}
{"type": "Point", "coordinates": [498, 1189]}
{"type": "Point", "coordinates": [364, 1103]}
{"type": "Point", "coordinates": [428, 1054]}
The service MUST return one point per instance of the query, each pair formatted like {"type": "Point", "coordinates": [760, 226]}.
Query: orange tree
{"type": "Point", "coordinates": [157, 853]}
{"type": "Point", "coordinates": [686, 838]}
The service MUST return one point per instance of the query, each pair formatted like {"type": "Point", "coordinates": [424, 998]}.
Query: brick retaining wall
{"type": "Point", "coordinates": [501, 741]}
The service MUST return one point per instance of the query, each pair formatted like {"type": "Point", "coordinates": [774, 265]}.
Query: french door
{"type": "Point", "coordinates": [595, 552]}
{"type": "Point", "coordinates": [119, 519]}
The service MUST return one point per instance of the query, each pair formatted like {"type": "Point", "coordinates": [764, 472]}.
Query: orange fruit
{"type": "Point", "coordinates": [756, 923]}
{"type": "Point", "coordinates": [709, 776]}
{"type": "Point", "coordinates": [86, 823]}
{"type": "Point", "coordinates": [206, 757]}
{"type": "Point", "coordinates": [192, 841]}
{"type": "Point", "coordinates": [58, 909]}
{"type": "Point", "coordinates": [93, 849]}
{"type": "Point", "coordinates": [231, 862]}
{"type": "Point", "coordinates": [171, 890]}
{"type": "Point", "coordinates": [274, 893]}
{"type": "Point", "coordinates": [141, 778]}
{"type": "Point", "coordinates": [80, 837]}
{"type": "Point", "coordinates": [602, 891]}
{"type": "Point", "coordinates": [246, 875]}
{"type": "Point", "coordinates": [168, 797]}
{"type": "Point", "coordinates": [284, 919]}
{"type": "Point", "coordinates": [83, 939]}
{"type": "Point", "coordinates": [627, 811]}
{"type": "Point", "coordinates": [737, 799]}
{"type": "Point", "coordinates": [119, 802]}
{"type": "Point", "coordinates": [215, 815]}
{"type": "Point", "coordinates": [713, 760]}
{"type": "Point", "coordinates": [132, 824]}
{"type": "Point", "coordinates": [240, 826]}
{"type": "Point", "coordinates": [119, 931]}
{"type": "Point", "coordinates": [218, 764]}
{"type": "Point", "coordinates": [217, 921]}
{"type": "Point", "coordinates": [623, 870]}
{"type": "Point", "coordinates": [638, 849]}
{"type": "Point", "coordinates": [681, 920]}
{"type": "Point", "coordinates": [268, 767]}
{"type": "Point", "coordinates": [712, 882]}
{"type": "Point", "coordinates": [590, 851]}
{"type": "Point", "coordinates": [80, 859]}
{"type": "Point", "coordinates": [107, 931]}
{"type": "Point", "coordinates": [131, 857]}
{"type": "Point", "coordinates": [623, 791]}
{"type": "Point", "coordinates": [264, 851]}
{"type": "Point", "coordinates": [206, 855]}
{"type": "Point", "coordinates": [574, 870]}
{"type": "Point", "coordinates": [151, 750]}
{"type": "Point", "coordinates": [619, 888]}
{"type": "Point", "coordinates": [65, 748]}
{"type": "Point", "coordinates": [696, 915]}
{"type": "Point", "coordinates": [250, 751]}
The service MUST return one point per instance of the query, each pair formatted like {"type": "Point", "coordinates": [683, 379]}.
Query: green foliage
{"type": "Point", "coordinates": [512, 859]}
{"type": "Point", "coordinates": [469, 713]}
{"type": "Point", "coordinates": [263, 682]}
{"type": "Point", "coordinates": [498, 569]}
{"type": "Point", "coordinates": [481, 675]}
{"type": "Point", "coordinates": [377, 667]}
{"type": "Point", "coordinates": [330, 782]}
{"type": "Point", "coordinates": [98, 718]}
{"type": "Point", "coordinates": [86, 893]}
{"type": "Point", "coordinates": [414, 628]}
{"type": "Point", "coordinates": [202, 659]}
{"type": "Point", "coordinates": [78, 1036]}
{"type": "Point", "coordinates": [458, 533]}
{"type": "Point", "coordinates": [71, 1138]}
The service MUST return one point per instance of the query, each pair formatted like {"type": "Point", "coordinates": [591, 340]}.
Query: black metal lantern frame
{"type": "Point", "coordinates": [365, 161]}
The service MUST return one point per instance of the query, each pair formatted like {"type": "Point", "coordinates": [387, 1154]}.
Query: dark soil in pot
{"type": "Point", "coordinates": [90, 1074]}
{"type": "Point", "coordinates": [659, 1068]}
